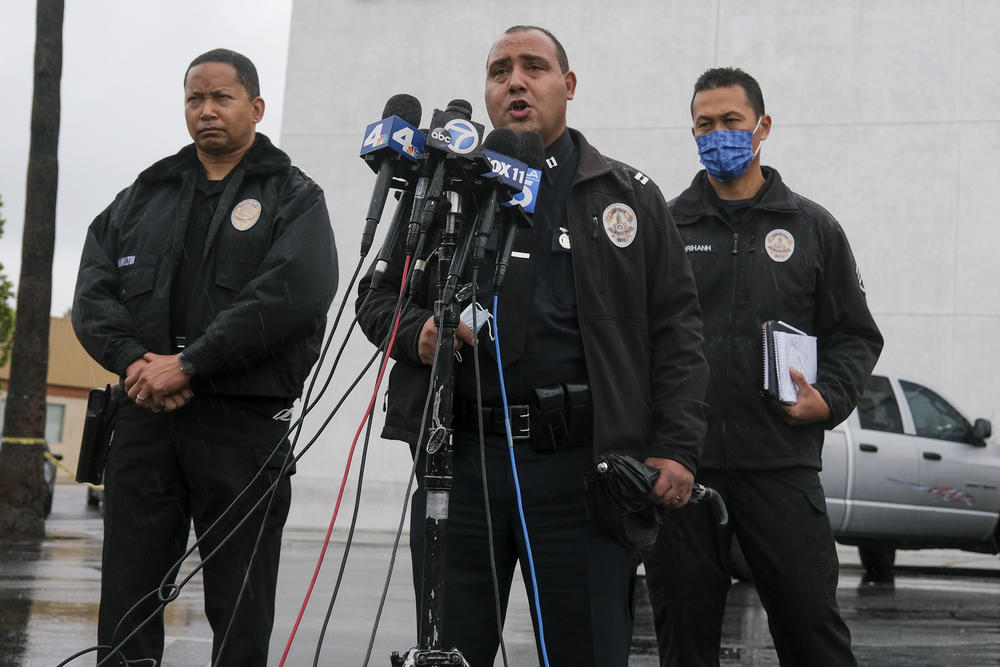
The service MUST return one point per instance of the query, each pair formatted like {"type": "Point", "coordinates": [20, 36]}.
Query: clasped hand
{"type": "Point", "coordinates": [156, 382]}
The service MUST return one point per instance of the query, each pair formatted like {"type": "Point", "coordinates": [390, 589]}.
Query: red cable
{"type": "Point", "coordinates": [347, 468]}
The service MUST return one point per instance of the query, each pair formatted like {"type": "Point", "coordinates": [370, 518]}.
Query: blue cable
{"type": "Point", "coordinates": [517, 483]}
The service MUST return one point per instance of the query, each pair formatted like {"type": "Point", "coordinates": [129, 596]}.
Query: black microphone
{"type": "Point", "coordinates": [386, 158]}
{"type": "Point", "coordinates": [502, 143]}
{"type": "Point", "coordinates": [532, 154]}
{"type": "Point", "coordinates": [498, 146]}
{"type": "Point", "coordinates": [453, 147]}
{"type": "Point", "coordinates": [427, 169]}
{"type": "Point", "coordinates": [406, 201]}
{"type": "Point", "coordinates": [531, 151]}
{"type": "Point", "coordinates": [462, 107]}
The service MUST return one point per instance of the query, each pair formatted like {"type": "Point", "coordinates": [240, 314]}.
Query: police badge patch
{"type": "Point", "coordinates": [245, 214]}
{"type": "Point", "coordinates": [620, 224]}
{"type": "Point", "coordinates": [780, 245]}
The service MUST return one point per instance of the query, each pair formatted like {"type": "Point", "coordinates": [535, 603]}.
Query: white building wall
{"type": "Point", "coordinates": [887, 112]}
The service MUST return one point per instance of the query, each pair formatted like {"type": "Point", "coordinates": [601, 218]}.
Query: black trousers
{"type": "Point", "coordinates": [585, 579]}
{"type": "Point", "coordinates": [169, 469]}
{"type": "Point", "coordinates": [780, 519]}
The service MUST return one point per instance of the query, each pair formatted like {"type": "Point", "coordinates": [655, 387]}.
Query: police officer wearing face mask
{"type": "Point", "coordinates": [761, 252]}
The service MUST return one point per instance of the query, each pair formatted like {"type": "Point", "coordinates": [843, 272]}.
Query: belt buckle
{"type": "Point", "coordinates": [520, 422]}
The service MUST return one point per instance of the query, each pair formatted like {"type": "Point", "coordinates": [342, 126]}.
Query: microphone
{"type": "Point", "coordinates": [508, 177]}
{"type": "Point", "coordinates": [389, 148]}
{"type": "Point", "coordinates": [395, 227]}
{"type": "Point", "coordinates": [453, 146]}
{"type": "Point", "coordinates": [456, 135]}
{"type": "Point", "coordinates": [501, 179]}
{"type": "Point", "coordinates": [532, 153]}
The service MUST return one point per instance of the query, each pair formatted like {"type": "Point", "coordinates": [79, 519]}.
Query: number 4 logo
{"type": "Point", "coordinates": [404, 137]}
{"type": "Point", "coordinates": [375, 138]}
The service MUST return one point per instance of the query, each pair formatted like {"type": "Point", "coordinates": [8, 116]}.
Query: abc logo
{"type": "Point", "coordinates": [463, 136]}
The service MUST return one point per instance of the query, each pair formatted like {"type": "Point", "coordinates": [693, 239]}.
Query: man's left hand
{"type": "Point", "coordinates": [673, 486]}
{"type": "Point", "coordinates": [810, 407]}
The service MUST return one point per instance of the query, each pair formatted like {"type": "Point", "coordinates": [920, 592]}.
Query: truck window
{"type": "Point", "coordinates": [934, 417]}
{"type": "Point", "coordinates": [877, 409]}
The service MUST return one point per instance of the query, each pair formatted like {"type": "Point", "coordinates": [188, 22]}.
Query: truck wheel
{"type": "Point", "coordinates": [878, 560]}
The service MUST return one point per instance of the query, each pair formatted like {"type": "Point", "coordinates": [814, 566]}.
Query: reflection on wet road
{"type": "Point", "coordinates": [49, 591]}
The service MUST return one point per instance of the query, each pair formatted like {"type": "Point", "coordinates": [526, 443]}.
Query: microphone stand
{"type": "Point", "coordinates": [439, 470]}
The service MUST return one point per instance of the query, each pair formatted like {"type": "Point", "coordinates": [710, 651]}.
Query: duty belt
{"type": "Point", "coordinates": [494, 422]}
{"type": "Point", "coordinates": [558, 418]}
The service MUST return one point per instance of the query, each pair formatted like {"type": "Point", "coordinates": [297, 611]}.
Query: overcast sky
{"type": "Point", "coordinates": [122, 101]}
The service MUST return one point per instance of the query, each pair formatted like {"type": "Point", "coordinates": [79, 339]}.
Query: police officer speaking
{"type": "Point", "coordinates": [600, 336]}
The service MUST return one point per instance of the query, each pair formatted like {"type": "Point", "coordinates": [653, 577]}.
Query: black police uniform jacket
{"type": "Point", "coordinates": [750, 273]}
{"type": "Point", "coordinates": [256, 322]}
{"type": "Point", "coordinates": [638, 311]}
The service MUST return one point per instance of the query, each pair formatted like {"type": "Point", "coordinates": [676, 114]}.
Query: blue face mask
{"type": "Point", "coordinates": [726, 154]}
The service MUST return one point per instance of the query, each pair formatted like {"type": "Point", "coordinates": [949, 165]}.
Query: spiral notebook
{"type": "Point", "coordinates": [785, 346]}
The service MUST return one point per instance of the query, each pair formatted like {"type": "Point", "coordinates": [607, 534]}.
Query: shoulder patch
{"type": "Point", "coordinates": [641, 177]}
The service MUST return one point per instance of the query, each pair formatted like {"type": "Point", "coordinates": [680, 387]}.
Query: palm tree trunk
{"type": "Point", "coordinates": [21, 456]}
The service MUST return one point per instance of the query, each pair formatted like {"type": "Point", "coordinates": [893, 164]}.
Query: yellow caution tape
{"type": "Point", "coordinates": [72, 474]}
{"type": "Point", "coordinates": [23, 441]}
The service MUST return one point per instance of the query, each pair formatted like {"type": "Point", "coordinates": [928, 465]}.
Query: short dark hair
{"type": "Point", "coordinates": [726, 77]}
{"type": "Point", "coordinates": [560, 51]}
{"type": "Point", "coordinates": [246, 73]}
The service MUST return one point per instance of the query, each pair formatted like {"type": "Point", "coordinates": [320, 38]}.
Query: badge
{"type": "Point", "coordinates": [564, 238]}
{"type": "Point", "coordinates": [620, 224]}
{"type": "Point", "coordinates": [780, 245]}
{"type": "Point", "coordinates": [245, 214]}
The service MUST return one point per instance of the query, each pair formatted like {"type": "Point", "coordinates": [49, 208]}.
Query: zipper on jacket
{"type": "Point", "coordinates": [595, 227]}
{"type": "Point", "coordinates": [734, 280]}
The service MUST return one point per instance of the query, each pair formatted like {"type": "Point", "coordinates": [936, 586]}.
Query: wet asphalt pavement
{"type": "Point", "coordinates": [943, 610]}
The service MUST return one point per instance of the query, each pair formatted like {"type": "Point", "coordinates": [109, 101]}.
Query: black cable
{"type": "Point", "coordinates": [383, 349]}
{"type": "Point", "coordinates": [177, 587]}
{"type": "Point", "coordinates": [85, 652]}
{"type": "Point", "coordinates": [116, 649]}
{"type": "Point", "coordinates": [274, 486]}
{"type": "Point", "coordinates": [347, 545]}
{"type": "Point", "coordinates": [482, 464]}
{"type": "Point", "coordinates": [273, 493]}
{"type": "Point", "coordinates": [406, 501]}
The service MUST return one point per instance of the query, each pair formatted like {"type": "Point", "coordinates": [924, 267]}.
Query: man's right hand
{"type": "Point", "coordinates": [428, 339]}
{"type": "Point", "coordinates": [168, 403]}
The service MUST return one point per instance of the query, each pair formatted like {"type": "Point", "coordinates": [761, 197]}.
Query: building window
{"type": "Point", "coordinates": [55, 415]}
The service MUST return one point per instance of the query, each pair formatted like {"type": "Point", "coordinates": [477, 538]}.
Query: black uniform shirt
{"type": "Point", "coordinates": [553, 347]}
{"type": "Point", "coordinates": [553, 350]}
{"type": "Point", "coordinates": [206, 198]}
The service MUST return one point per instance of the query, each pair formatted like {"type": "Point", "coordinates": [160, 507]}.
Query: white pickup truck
{"type": "Point", "coordinates": [907, 470]}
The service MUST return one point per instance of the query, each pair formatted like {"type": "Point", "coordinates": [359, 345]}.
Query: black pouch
{"type": "Point", "coordinates": [580, 413]}
{"type": "Point", "coordinates": [98, 428]}
{"type": "Point", "coordinates": [617, 497]}
{"type": "Point", "coordinates": [549, 429]}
